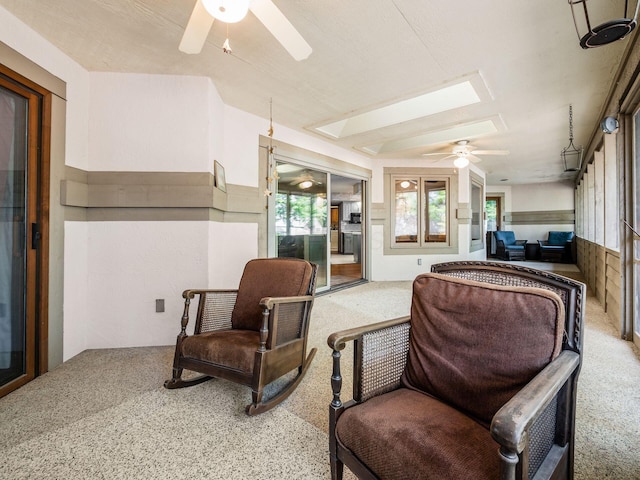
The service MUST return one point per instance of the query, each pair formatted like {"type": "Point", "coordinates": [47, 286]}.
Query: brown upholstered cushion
{"type": "Point", "coordinates": [474, 345]}
{"type": "Point", "coordinates": [407, 434]}
{"type": "Point", "coordinates": [268, 277]}
{"type": "Point", "coordinates": [233, 348]}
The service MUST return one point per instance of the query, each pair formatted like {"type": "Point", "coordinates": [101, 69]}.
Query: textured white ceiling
{"type": "Point", "coordinates": [368, 54]}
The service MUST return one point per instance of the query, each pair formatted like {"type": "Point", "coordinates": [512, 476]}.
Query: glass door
{"type": "Point", "coordinates": [18, 220]}
{"type": "Point", "coordinates": [634, 232]}
{"type": "Point", "coordinates": [302, 216]}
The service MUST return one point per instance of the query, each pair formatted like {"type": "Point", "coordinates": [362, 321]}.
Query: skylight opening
{"type": "Point", "coordinates": [448, 98]}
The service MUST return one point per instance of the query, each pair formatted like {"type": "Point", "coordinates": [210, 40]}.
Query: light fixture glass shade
{"type": "Point", "coordinates": [461, 161]}
{"type": "Point", "coordinates": [228, 11]}
{"type": "Point", "coordinates": [305, 184]}
{"type": "Point", "coordinates": [571, 157]}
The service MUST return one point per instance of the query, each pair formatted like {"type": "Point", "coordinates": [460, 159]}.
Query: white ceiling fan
{"type": "Point", "coordinates": [231, 11]}
{"type": "Point", "coordinates": [305, 180]}
{"type": "Point", "coordinates": [464, 153]}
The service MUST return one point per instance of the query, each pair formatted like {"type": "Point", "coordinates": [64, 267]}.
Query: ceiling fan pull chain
{"type": "Point", "coordinates": [226, 48]}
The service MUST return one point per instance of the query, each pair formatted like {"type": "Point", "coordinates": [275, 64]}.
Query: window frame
{"type": "Point", "coordinates": [478, 243]}
{"type": "Point", "coordinates": [421, 175]}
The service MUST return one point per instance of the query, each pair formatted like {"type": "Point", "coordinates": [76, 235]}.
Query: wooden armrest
{"type": "Point", "coordinates": [511, 422]}
{"type": "Point", "coordinates": [190, 293]}
{"type": "Point", "coordinates": [222, 316]}
{"type": "Point", "coordinates": [521, 242]}
{"type": "Point", "coordinates": [270, 302]}
{"type": "Point", "coordinates": [380, 351]}
{"type": "Point", "coordinates": [338, 340]}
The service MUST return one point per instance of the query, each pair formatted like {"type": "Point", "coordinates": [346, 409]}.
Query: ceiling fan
{"type": "Point", "coordinates": [305, 180]}
{"type": "Point", "coordinates": [231, 11]}
{"type": "Point", "coordinates": [463, 153]}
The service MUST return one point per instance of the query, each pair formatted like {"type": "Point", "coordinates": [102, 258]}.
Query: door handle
{"type": "Point", "coordinates": [35, 236]}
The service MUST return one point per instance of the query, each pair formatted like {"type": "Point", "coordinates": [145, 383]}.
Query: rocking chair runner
{"type": "Point", "coordinates": [252, 335]}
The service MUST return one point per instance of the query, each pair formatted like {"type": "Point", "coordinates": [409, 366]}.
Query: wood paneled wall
{"type": "Point", "coordinates": [601, 269]}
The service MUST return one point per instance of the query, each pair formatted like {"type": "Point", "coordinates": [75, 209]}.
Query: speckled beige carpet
{"type": "Point", "coordinates": [105, 415]}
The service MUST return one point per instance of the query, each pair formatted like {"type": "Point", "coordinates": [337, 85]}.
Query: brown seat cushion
{"type": "Point", "coordinates": [235, 349]}
{"type": "Point", "coordinates": [475, 345]}
{"type": "Point", "coordinates": [407, 434]}
{"type": "Point", "coordinates": [268, 277]}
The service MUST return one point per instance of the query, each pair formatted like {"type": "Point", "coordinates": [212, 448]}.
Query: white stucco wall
{"type": "Point", "coordinates": [158, 123]}
{"type": "Point", "coordinates": [231, 246]}
{"type": "Point", "coordinates": [131, 264]}
{"type": "Point", "coordinates": [242, 131]}
{"type": "Point", "coordinates": [545, 197]}
{"type": "Point", "coordinates": [542, 197]}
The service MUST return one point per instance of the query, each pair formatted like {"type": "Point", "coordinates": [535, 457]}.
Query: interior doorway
{"type": "Point", "coordinates": [347, 238]}
{"type": "Point", "coordinates": [493, 210]}
{"type": "Point", "coordinates": [24, 205]}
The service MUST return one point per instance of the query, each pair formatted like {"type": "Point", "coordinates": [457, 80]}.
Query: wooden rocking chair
{"type": "Point", "coordinates": [252, 335]}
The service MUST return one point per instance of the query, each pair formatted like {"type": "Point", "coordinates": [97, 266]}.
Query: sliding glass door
{"type": "Point", "coordinates": [317, 215]}
{"type": "Point", "coordinates": [17, 217]}
{"type": "Point", "coordinates": [632, 231]}
{"type": "Point", "coordinates": [301, 216]}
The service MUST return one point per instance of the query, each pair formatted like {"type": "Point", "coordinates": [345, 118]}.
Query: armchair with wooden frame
{"type": "Point", "coordinates": [252, 335]}
{"type": "Point", "coordinates": [479, 381]}
{"type": "Point", "coordinates": [558, 247]}
{"type": "Point", "coordinates": [507, 247]}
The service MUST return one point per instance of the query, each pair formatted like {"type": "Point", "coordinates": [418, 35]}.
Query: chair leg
{"type": "Point", "coordinates": [258, 406]}
{"type": "Point", "coordinates": [337, 468]}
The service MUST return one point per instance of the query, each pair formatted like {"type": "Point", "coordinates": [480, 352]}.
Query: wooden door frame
{"type": "Point", "coordinates": [39, 193]}
{"type": "Point", "coordinates": [498, 199]}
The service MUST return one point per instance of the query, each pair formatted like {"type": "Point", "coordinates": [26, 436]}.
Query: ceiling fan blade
{"type": "Point", "coordinates": [473, 158]}
{"type": "Point", "coordinates": [490, 152]}
{"type": "Point", "coordinates": [281, 28]}
{"type": "Point", "coordinates": [437, 160]}
{"type": "Point", "coordinates": [197, 30]}
{"type": "Point", "coordinates": [435, 153]}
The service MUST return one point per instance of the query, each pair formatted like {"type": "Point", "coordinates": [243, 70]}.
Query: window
{"type": "Point", "coordinates": [421, 211]}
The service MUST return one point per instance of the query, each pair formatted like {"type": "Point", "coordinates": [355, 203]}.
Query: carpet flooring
{"type": "Point", "coordinates": [105, 415]}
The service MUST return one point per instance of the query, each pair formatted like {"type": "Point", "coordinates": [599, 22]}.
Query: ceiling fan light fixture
{"type": "Point", "coordinates": [228, 11]}
{"type": "Point", "coordinates": [306, 184]}
{"type": "Point", "coordinates": [461, 162]}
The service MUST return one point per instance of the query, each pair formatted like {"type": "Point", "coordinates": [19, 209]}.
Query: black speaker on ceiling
{"type": "Point", "coordinates": [608, 32]}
